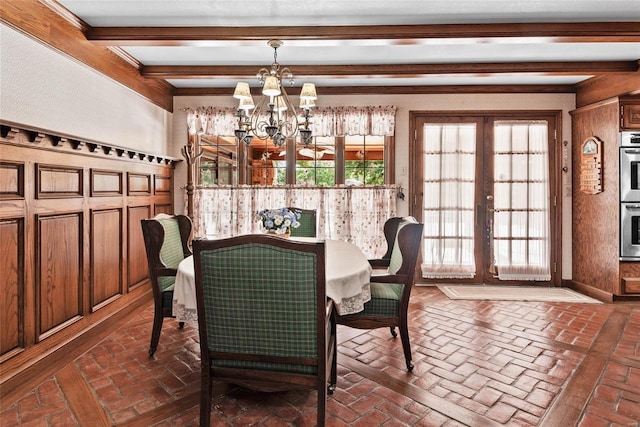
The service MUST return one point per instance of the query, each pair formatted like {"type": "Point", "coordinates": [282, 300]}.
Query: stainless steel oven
{"type": "Point", "coordinates": [630, 196]}
{"type": "Point", "coordinates": [629, 167]}
{"type": "Point", "coordinates": [630, 231]}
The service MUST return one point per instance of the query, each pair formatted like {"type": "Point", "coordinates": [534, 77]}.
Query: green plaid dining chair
{"type": "Point", "coordinates": [390, 292]}
{"type": "Point", "coordinates": [264, 320]}
{"type": "Point", "coordinates": [166, 240]}
{"type": "Point", "coordinates": [308, 223]}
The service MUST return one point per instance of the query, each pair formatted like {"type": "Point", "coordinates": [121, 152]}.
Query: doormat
{"type": "Point", "coordinates": [515, 293]}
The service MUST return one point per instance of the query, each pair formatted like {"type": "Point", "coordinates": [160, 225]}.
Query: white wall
{"type": "Point", "coordinates": [405, 104]}
{"type": "Point", "coordinates": [40, 87]}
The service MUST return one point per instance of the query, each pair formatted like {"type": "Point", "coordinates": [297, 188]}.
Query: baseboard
{"type": "Point", "coordinates": [25, 370]}
{"type": "Point", "coordinates": [587, 290]}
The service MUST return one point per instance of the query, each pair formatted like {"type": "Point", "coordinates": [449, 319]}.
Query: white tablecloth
{"type": "Point", "coordinates": [347, 280]}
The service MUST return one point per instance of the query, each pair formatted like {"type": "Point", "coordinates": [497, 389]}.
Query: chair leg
{"type": "Point", "coordinates": [155, 332]}
{"type": "Point", "coordinates": [393, 331]}
{"type": "Point", "coordinates": [181, 325]}
{"type": "Point", "coordinates": [406, 347]}
{"type": "Point", "coordinates": [322, 404]}
{"type": "Point", "coordinates": [206, 389]}
{"type": "Point", "coordinates": [333, 375]}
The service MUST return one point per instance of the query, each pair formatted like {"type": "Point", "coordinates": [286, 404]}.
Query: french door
{"type": "Point", "coordinates": [485, 188]}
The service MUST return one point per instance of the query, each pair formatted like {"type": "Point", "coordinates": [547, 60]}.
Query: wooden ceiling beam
{"type": "Point", "coordinates": [583, 32]}
{"type": "Point", "coordinates": [395, 70]}
{"type": "Point", "coordinates": [396, 90]}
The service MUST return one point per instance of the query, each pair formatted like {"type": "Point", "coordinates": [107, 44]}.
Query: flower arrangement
{"type": "Point", "coordinates": [279, 221]}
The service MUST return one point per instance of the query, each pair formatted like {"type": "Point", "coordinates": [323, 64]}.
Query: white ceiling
{"type": "Point", "coordinates": [305, 47]}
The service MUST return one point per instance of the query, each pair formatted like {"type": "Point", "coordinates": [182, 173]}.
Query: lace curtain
{"type": "Point", "coordinates": [521, 189]}
{"type": "Point", "coordinates": [352, 214]}
{"type": "Point", "coordinates": [448, 212]}
{"type": "Point", "coordinates": [326, 121]}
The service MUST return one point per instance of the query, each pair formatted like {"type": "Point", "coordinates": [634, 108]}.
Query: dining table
{"type": "Point", "coordinates": [347, 274]}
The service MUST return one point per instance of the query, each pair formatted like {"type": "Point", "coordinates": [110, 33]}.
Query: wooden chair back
{"type": "Point", "coordinates": [308, 223]}
{"type": "Point", "coordinates": [263, 316]}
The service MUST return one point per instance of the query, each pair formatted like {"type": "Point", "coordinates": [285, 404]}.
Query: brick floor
{"type": "Point", "coordinates": [477, 363]}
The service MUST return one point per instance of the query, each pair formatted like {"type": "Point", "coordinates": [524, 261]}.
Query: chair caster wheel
{"type": "Point", "coordinates": [152, 351]}
{"type": "Point", "coordinates": [331, 389]}
{"type": "Point", "coordinates": [409, 366]}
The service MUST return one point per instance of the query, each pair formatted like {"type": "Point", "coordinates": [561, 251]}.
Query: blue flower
{"type": "Point", "coordinates": [279, 221]}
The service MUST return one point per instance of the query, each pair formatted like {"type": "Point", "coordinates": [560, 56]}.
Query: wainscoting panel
{"type": "Point", "coordinates": [106, 183]}
{"type": "Point", "coordinates": [137, 256]}
{"type": "Point", "coordinates": [59, 270]}
{"type": "Point", "coordinates": [11, 180]}
{"type": "Point", "coordinates": [162, 184]}
{"type": "Point", "coordinates": [11, 285]}
{"type": "Point", "coordinates": [58, 182]}
{"type": "Point", "coordinates": [106, 256]}
{"type": "Point", "coordinates": [165, 208]}
{"type": "Point", "coordinates": [139, 184]}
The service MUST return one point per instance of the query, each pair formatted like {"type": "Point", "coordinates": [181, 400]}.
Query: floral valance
{"type": "Point", "coordinates": [221, 121]}
{"type": "Point", "coordinates": [340, 121]}
{"type": "Point", "coordinates": [326, 121]}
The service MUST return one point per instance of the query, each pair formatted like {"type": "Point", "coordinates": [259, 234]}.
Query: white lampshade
{"type": "Point", "coordinates": [242, 91]}
{"type": "Point", "coordinates": [307, 103]}
{"type": "Point", "coordinates": [279, 104]}
{"type": "Point", "coordinates": [271, 86]}
{"type": "Point", "coordinates": [246, 104]}
{"type": "Point", "coordinates": [308, 91]}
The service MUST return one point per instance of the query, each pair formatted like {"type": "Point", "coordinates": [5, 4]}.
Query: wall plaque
{"type": "Point", "coordinates": [591, 166]}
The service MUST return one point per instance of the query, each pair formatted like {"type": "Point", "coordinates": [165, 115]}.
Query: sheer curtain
{"type": "Point", "coordinates": [448, 210]}
{"type": "Point", "coordinates": [521, 190]}
{"type": "Point", "coordinates": [327, 121]}
{"type": "Point", "coordinates": [353, 214]}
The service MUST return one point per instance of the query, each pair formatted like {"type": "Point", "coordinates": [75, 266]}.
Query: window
{"type": "Point", "coordinates": [316, 162]}
{"type": "Point", "coordinates": [219, 161]}
{"type": "Point", "coordinates": [331, 160]}
{"type": "Point", "coordinates": [364, 160]}
{"type": "Point", "coordinates": [326, 161]}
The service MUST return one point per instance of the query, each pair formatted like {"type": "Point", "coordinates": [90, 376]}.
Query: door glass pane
{"type": "Point", "coordinates": [521, 200]}
{"type": "Point", "coordinates": [449, 152]}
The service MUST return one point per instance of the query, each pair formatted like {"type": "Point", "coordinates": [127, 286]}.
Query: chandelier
{"type": "Point", "coordinates": [274, 116]}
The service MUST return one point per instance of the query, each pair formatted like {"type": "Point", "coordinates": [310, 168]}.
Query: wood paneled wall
{"type": "Point", "coordinates": [596, 217]}
{"type": "Point", "coordinates": [70, 238]}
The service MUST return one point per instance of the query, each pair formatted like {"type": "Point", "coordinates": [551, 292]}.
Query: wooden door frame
{"type": "Point", "coordinates": [555, 171]}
